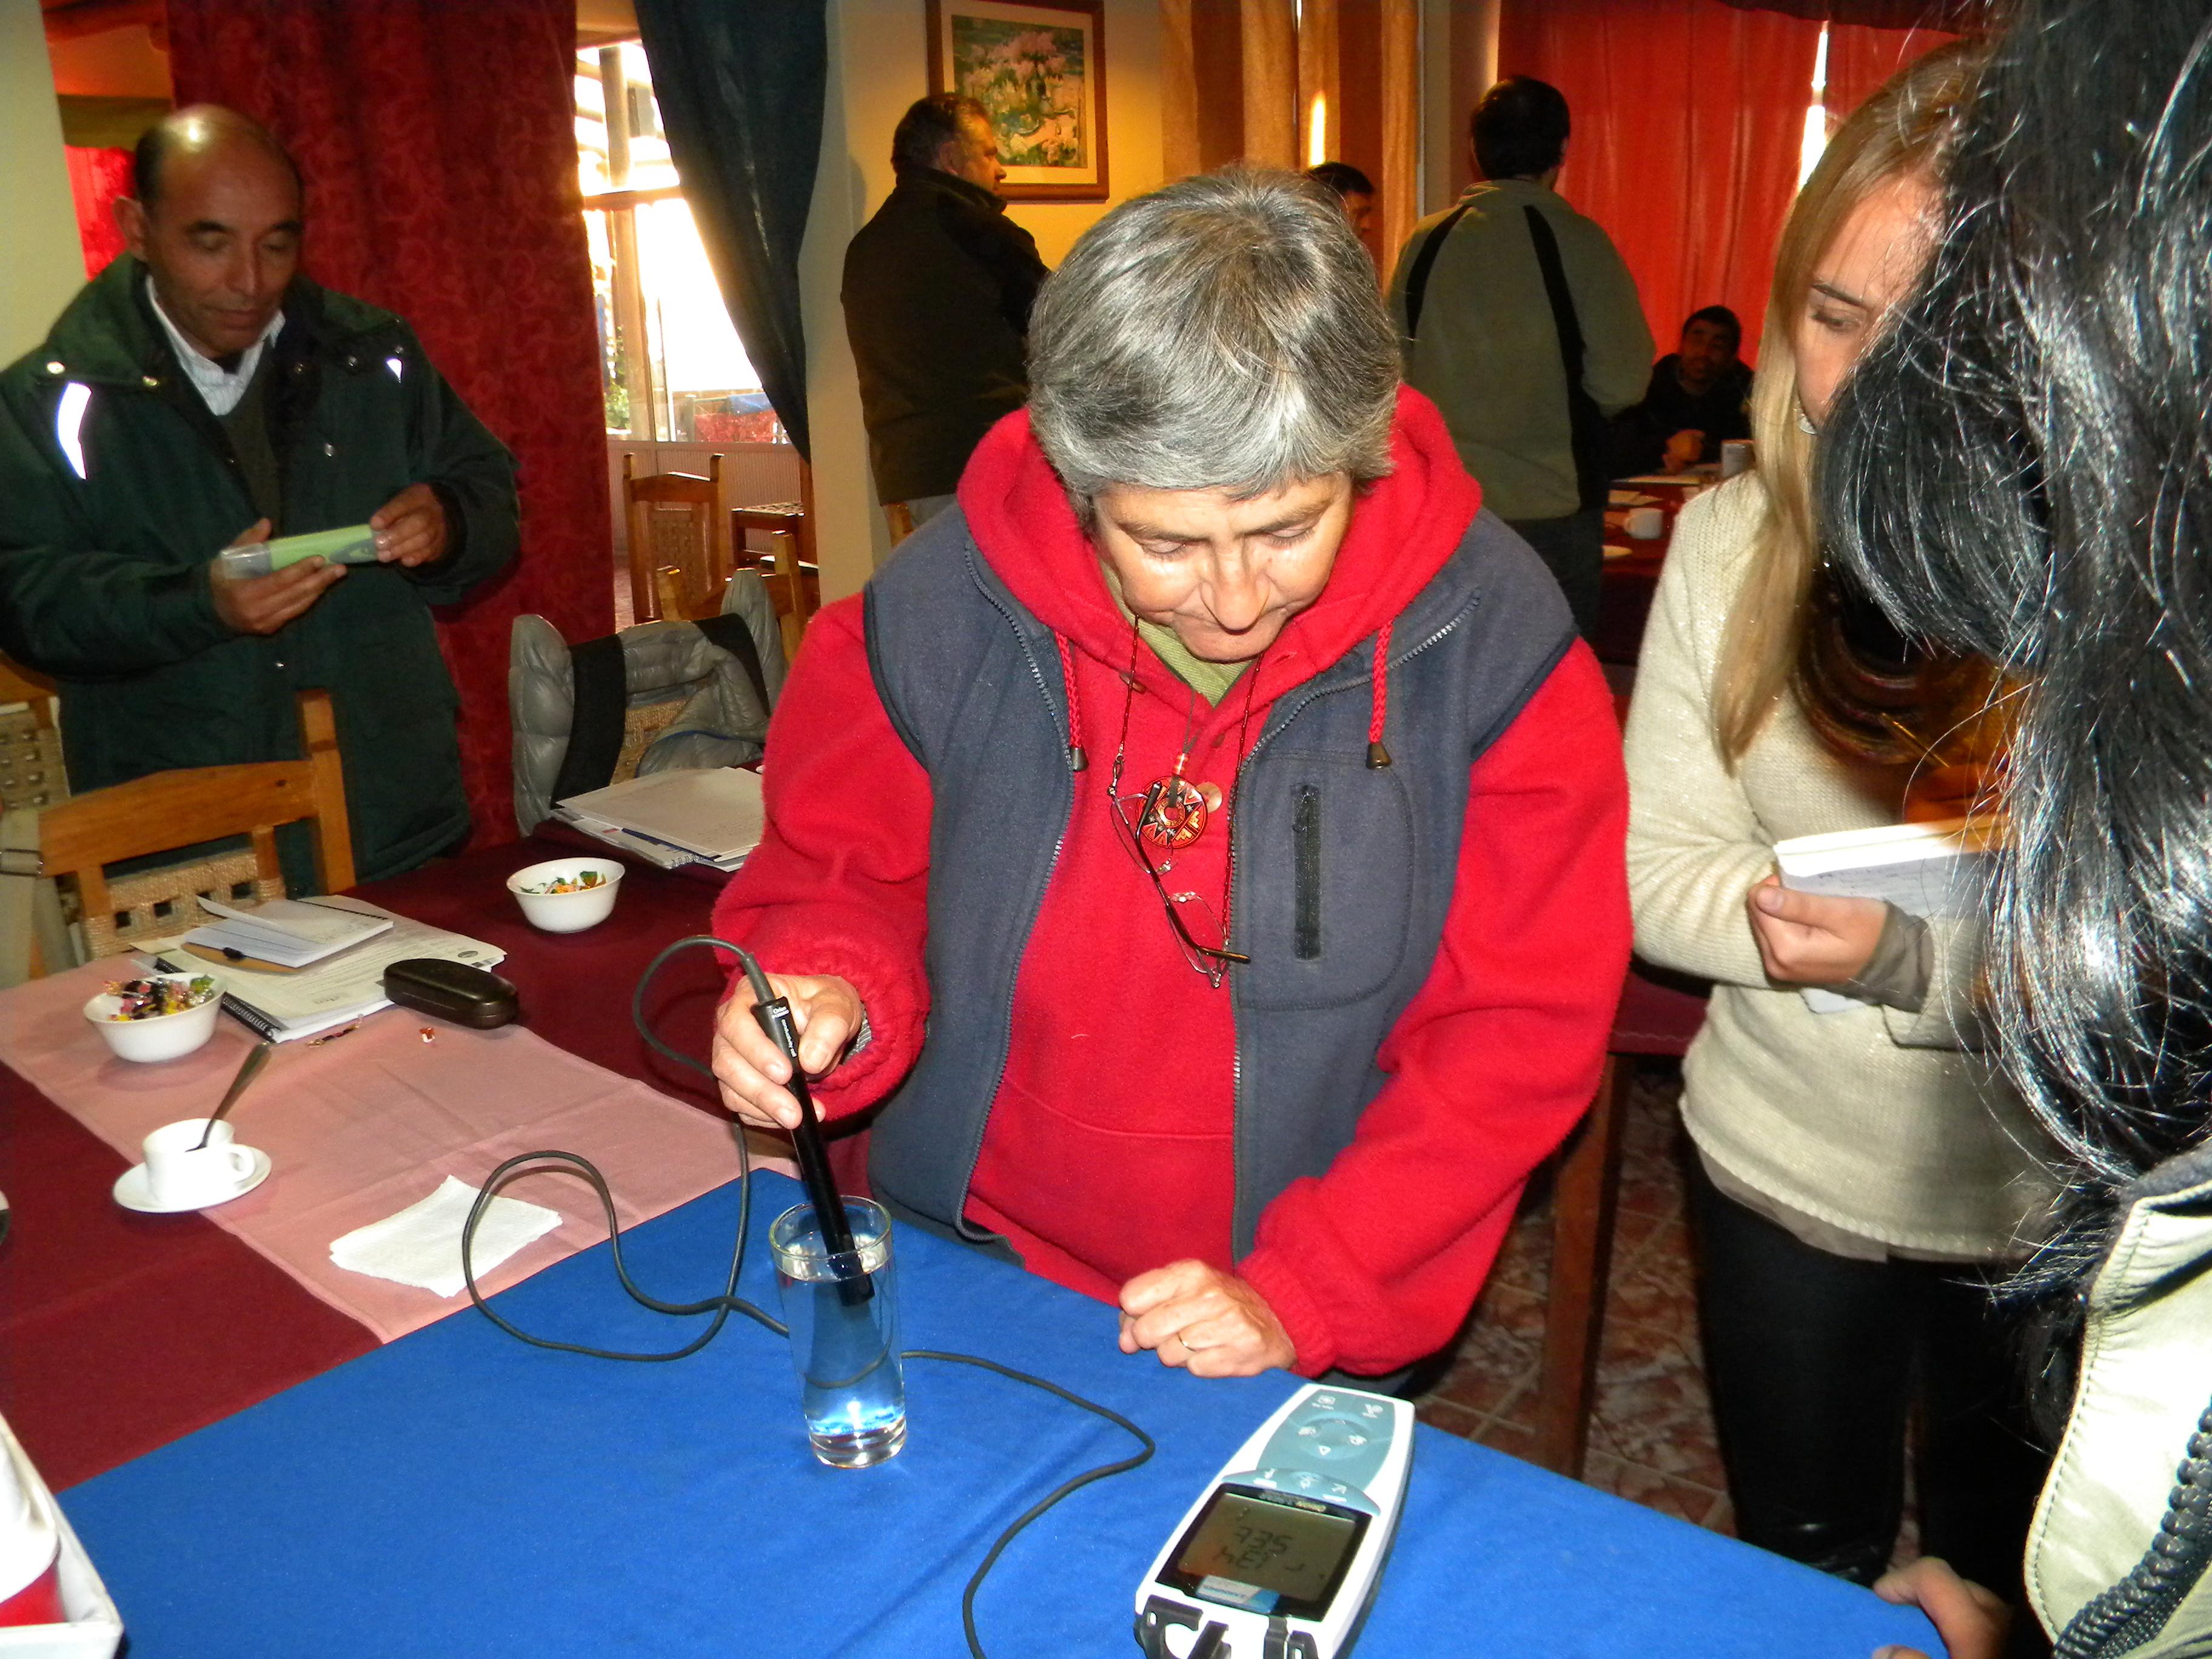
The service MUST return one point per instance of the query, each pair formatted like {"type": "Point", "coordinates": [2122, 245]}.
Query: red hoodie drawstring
{"type": "Point", "coordinates": [1077, 760]}
{"type": "Point", "coordinates": [1377, 756]}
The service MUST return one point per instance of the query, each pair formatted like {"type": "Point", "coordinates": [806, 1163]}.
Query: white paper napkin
{"type": "Point", "coordinates": [422, 1245]}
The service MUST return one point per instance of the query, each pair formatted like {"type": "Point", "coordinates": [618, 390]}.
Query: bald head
{"type": "Point", "coordinates": [216, 220]}
{"type": "Point", "coordinates": [198, 132]}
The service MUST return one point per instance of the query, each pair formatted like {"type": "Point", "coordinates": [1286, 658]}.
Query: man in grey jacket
{"type": "Point", "coordinates": [1495, 298]}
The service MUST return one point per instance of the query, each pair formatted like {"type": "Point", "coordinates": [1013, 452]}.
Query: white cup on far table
{"type": "Point", "coordinates": [1645, 523]}
{"type": "Point", "coordinates": [180, 1172]}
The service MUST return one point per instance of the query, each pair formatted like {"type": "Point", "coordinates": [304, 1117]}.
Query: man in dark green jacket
{"type": "Point", "coordinates": [200, 393]}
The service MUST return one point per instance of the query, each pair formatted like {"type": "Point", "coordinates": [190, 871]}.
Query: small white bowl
{"type": "Point", "coordinates": [566, 913]}
{"type": "Point", "coordinates": [159, 1036]}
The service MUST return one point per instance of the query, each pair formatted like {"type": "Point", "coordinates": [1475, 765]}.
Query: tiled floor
{"type": "Point", "coordinates": [1652, 1438]}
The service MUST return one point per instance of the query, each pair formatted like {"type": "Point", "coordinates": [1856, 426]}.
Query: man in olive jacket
{"type": "Point", "coordinates": [937, 292]}
{"type": "Point", "coordinates": [198, 394]}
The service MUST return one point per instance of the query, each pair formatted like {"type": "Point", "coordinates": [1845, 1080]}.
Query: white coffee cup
{"type": "Point", "coordinates": [1735, 456]}
{"type": "Point", "coordinates": [179, 1171]}
{"type": "Point", "coordinates": [1645, 523]}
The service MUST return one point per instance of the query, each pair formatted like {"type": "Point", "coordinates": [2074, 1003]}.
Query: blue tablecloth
{"type": "Point", "coordinates": [459, 1493]}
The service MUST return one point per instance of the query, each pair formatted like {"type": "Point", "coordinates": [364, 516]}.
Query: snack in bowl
{"type": "Point", "coordinates": [566, 896]}
{"type": "Point", "coordinates": [158, 1016]}
{"type": "Point", "coordinates": [150, 998]}
{"type": "Point", "coordinates": [583, 882]}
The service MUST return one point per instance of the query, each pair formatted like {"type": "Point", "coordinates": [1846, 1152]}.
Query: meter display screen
{"type": "Point", "coordinates": [1296, 1551]}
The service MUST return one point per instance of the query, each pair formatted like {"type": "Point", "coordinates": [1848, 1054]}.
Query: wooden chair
{"type": "Point", "coordinates": [675, 521]}
{"type": "Point", "coordinates": [22, 685]}
{"type": "Point", "coordinates": [168, 810]}
{"type": "Point", "coordinates": [794, 580]}
{"type": "Point", "coordinates": [1652, 1017]}
{"type": "Point", "coordinates": [31, 772]}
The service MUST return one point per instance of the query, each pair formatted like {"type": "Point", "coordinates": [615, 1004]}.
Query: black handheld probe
{"type": "Point", "coordinates": [774, 1013]}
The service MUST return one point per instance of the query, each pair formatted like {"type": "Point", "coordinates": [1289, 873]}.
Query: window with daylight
{"type": "Point", "coordinates": [673, 368]}
{"type": "Point", "coordinates": [1816, 114]}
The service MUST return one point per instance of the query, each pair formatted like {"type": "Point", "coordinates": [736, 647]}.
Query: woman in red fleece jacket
{"type": "Point", "coordinates": [1204, 849]}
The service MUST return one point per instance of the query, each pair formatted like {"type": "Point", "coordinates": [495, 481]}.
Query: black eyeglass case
{"type": "Point", "coordinates": [453, 991]}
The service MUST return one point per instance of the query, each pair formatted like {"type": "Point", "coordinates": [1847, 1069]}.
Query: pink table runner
{"type": "Point", "coordinates": [361, 1127]}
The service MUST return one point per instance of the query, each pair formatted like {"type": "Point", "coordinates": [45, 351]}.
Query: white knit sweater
{"type": "Point", "coordinates": [1872, 1120]}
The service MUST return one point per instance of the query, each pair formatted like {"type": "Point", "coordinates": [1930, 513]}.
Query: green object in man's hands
{"type": "Point", "coordinates": [354, 544]}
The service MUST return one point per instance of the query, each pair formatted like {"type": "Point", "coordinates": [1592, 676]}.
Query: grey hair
{"type": "Point", "coordinates": [1224, 333]}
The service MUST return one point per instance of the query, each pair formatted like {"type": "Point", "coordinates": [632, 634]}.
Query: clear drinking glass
{"type": "Point", "coordinates": [844, 1334]}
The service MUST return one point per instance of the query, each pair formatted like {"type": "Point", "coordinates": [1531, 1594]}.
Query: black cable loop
{"type": "Point", "coordinates": [729, 1302]}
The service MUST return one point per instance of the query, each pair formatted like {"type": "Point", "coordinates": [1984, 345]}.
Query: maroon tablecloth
{"type": "Point", "coordinates": [1632, 571]}
{"type": "Point", "coordinates": [119, 1332]}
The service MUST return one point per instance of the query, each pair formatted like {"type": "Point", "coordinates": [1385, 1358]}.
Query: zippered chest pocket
{"type": "Point", "coordinates": [1325, 849]}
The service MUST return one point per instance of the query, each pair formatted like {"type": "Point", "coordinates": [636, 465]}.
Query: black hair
{"type": "Point", "coordinates": [928, 125]}
{"type": "Point", "coordinates": [2022, 470]}
{"type": "Point", "coordinates": [1719, 317]}
{"type": "Point", "coordinates": [1341, 177]}
{"type": "Point", "coordinates": [150, 155]}
{"type": "Point", "coordinates": [1519, 128]}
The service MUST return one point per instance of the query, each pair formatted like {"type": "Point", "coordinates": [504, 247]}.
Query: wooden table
{"type": "Point", "coordinates": [1631, 566]}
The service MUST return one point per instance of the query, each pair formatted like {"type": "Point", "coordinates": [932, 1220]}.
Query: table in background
{"type": "Point", "coordinates": [457, 1491]}
{"type": "Point", "coordinates": [1631, 577]}
{"type": "Point", "coordinates": [120, 1332]}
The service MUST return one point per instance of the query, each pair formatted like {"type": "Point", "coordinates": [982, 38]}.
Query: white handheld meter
{"type": "Point", "coordinates": [1280, 1557]}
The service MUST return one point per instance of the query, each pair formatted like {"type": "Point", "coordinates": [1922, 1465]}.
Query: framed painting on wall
{"type": "Point", "coordinates": [1040, 71]}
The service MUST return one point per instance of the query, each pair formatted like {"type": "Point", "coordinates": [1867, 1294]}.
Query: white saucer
{"type": "Point", "coordinates": [131, 1192]}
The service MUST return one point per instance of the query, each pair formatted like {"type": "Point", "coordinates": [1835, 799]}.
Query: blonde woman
{"type": "Point", "coordinates": [1858, 1177]}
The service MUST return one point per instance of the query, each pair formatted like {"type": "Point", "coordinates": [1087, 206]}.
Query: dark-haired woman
{"type": "Point", "coordinates": [2023, 470]}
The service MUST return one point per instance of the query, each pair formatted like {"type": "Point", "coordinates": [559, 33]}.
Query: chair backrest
{"type": "Point", "coordinates": [676, 520]}
{"type": "Point", "coordinates": [22, 685]}
{"type": "Point", "coordinates": [31, 771]}
{"type": "Point", "coordinates": [165, 811]}
{"type": "Point", "coordinates": [794, 582]}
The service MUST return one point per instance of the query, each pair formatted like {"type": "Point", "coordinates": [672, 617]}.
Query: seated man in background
{"type": "Point", "coordinates": [1699, 399]}
{"type": "Point", "coordinates": [200, 394]}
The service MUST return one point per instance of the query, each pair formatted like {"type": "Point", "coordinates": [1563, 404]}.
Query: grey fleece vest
{"type": "Point", "coordinates": [1342, 874]}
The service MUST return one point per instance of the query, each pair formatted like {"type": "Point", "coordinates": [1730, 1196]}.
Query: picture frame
{"type": "Point", "coordinates": [1040, 69]}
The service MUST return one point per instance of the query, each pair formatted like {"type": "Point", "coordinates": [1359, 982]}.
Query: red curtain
{"type": "Point", "coordinates": [97, 177]}
{"type": "Point", "coordinates": [1861, 58]}
{"type": "Point", "coordinates": [438, 146]}
{"type": "Point", "coordinates": [1689, 121]}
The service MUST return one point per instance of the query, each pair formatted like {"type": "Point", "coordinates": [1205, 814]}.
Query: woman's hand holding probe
{"type": "Point", "coordinates": [752, 1070]}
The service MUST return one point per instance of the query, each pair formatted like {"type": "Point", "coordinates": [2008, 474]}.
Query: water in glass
{"type": "Point", "coordinates": [844, 1345]}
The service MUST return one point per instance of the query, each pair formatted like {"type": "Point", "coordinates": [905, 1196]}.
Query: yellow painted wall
{"type": "Point", "coordinates": [879, 65]}
{"type": "Point", "coordinates": [41, 261]}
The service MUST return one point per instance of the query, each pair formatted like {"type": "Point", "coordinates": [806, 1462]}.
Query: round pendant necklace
{"type": "Point", "coordinates": [1176, 809]}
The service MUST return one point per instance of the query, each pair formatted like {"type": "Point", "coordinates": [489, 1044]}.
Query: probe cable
{"type": "Point", "coordinates": [729, 1302]}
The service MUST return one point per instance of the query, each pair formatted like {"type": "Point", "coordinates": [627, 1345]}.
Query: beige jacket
{"type": "Point", "coordinates": [1872, 1120]}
